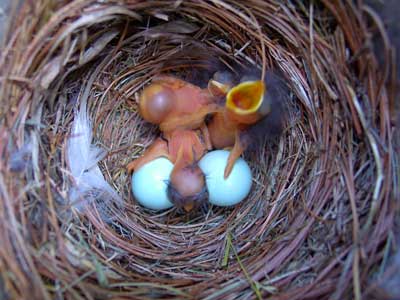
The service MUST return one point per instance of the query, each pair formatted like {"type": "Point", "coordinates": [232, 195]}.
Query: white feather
{"type": "Point", "coordinates": [83, 157]}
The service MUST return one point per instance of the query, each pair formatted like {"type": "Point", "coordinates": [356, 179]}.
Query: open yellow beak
{"type": "Point", "coordinates": [244, 100]}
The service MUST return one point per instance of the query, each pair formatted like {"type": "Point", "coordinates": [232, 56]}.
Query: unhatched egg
{"type": "Point", "coordinates": [149, 184]}
{"type": "Point", "coordinates": [230, 191]}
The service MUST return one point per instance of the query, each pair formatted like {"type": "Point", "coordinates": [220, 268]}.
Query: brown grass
{"type": "Point", "coordinates": [322, 208]}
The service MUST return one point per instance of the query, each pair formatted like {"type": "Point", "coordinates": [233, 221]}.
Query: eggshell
{"type": "Point", "coordinates": [232, 190]}
{"type": "Point", "coordinates": [149, 184]}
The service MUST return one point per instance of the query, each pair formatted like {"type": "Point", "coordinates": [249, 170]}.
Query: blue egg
{"type": "Point", "coordinates": [149, 184]}
{"type": "Point", "coordinates": [230, 191]}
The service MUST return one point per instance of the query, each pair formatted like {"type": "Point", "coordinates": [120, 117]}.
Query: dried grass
{"type": "Point", "coordinates": [319, 219]}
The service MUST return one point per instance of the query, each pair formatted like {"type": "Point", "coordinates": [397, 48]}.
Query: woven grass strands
{"type": "Point", "coordinates": [319, 221]}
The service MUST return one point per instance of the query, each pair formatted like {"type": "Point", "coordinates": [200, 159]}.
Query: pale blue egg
{"type": "Point", "coordinates": [149, 184]}
{"type": "Point", "coordinates": [230, 191]}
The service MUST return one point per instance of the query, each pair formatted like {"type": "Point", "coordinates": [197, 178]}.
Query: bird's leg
{"type": "Point", "coordinates": [237, 150]}
{"type": "Point", "coordinates": [158, 149]}
{"type": "Point", "coordinates": [206, 136]}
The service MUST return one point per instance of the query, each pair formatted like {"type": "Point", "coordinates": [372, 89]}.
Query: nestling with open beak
{"type": "Point", "coordinates": [247, 115]}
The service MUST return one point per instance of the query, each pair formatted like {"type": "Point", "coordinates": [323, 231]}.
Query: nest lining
{"type": "Point", "coordinates": [317, 222]}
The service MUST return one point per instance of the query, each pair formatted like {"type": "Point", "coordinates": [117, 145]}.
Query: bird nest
{"type": "Point", "coordinates": [319, 219]}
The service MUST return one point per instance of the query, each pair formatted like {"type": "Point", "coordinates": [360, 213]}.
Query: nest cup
{"type": "Point", "coordinates": [318, 223]}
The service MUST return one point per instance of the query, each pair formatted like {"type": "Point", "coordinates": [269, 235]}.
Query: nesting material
{"type": "Point", "coordinates": [318, 222]}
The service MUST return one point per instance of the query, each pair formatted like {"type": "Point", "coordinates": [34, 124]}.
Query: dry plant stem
{"type": "Point", "coordinates": [322, 207]}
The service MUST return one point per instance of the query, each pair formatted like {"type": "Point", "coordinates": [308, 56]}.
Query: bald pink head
{"type": "Point", "coordinates": [187, 188]}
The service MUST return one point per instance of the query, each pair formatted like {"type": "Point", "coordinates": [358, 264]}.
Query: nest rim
{"type": "Point", "coordinates": [274, 243]}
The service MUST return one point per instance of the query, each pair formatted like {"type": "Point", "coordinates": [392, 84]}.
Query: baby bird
{"type": "Point", "coordinates": [179, 109]}
{"type": "Point", "coordinates": [172, 103]}
{"type": "Point", "coordinates": [252, 112]}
